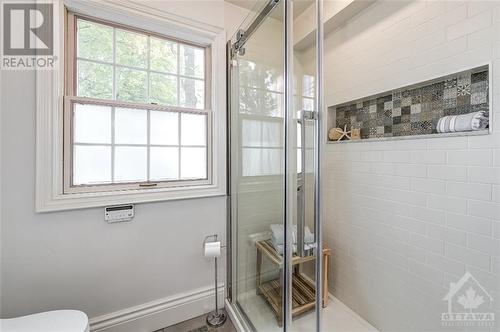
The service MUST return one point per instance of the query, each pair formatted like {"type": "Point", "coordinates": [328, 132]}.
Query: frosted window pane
{"type": "Point", "coordinates": [163, 55]}
{"type": "Point", "coordinates": [193, 163]}
{"type": "Point", "coordinates": [92, 124]}
{"type": "Point", "coordinates": [271, 133]}
{"type": "Point", "coordinates": [192, 93]}
{"type": "Point", "coordinates": [251, 133]}
{"type": "Point", "coordinates": [91, 164]}
{"type": "Point", "coordinates": [164, 128]}
{"type": "Point", "coordinates": [130, 126]}
{"type": "Point", "coordinates": [251, 162]}
{"type": "Point", "coordinates": [130, 163]}
{"type": "Point", "coordinates": [193, 129]}
{"type": "Point", "coordinates": [271, 161]}
{"type": "Point", "coordinates": [164, 163]}
{"type": "Point", "coordinates": [192, 61]}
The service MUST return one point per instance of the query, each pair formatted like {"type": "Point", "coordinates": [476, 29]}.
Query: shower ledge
{"type": "Point", "coordinates": [426, 136]}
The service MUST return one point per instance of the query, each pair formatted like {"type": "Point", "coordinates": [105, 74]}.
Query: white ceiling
{"type": "Point", "coordinates": [298, 6]}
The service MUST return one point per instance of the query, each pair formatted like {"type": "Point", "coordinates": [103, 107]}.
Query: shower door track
{"type": "Point", "coordinates": [244, 35]}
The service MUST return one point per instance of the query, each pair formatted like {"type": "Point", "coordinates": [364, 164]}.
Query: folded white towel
{"type": "Point", "coordinates": [465, 122]}
{"type": "Point", "coordinates": [278, 234]}
{"type": "Point", "coordinates": [279, 247]}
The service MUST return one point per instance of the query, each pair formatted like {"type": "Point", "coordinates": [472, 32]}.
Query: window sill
{"type": "Point", "coordinates": [62, 202]}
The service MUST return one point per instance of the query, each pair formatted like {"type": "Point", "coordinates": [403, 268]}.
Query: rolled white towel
{"type": "Point", "coordinates": [465, 122]}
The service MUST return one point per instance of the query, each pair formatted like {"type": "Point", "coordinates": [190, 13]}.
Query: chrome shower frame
{"type": "Point", "coordinates": [231, 51]}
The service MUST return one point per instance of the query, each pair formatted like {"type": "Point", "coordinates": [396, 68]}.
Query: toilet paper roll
{"type": "Point", "coordinates": [212, 249]}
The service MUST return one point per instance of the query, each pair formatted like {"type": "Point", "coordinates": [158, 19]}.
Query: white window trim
{"type": "Point", "coordinates": [50, 98]}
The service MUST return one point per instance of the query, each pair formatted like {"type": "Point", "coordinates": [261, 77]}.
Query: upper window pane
{"type": "Point", "coordinates": [95, 80]}
{"type": "Point", "coordinates": [192, 93]}
{"type": "Point", "coordinates": [131, 85]}
{"type": "Point", "coordinates": [131, 49]}
{"type": "Point", "coordinates": [192, 61]}
{"type": "Point", "coordinates": [94, 41]}
{"type": "Point", "coordinates": [163, 89]}
{"type": "Point", "coordinates": [125, 65]}
{"type": "Point", "coordinates": [163, 55]}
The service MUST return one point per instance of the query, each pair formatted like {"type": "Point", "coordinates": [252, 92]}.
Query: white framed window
{"type": "Point", "coordinates": [134, 110]}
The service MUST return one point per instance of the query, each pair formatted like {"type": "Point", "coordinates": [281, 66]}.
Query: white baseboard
{"type": "Point", "coordinates": [160, 313]}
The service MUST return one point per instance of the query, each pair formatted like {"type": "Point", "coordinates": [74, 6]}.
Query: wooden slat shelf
{"type": "Point", "coordinates": [303, 295]}
{"type": "Point", "coordinates": [303, 290]}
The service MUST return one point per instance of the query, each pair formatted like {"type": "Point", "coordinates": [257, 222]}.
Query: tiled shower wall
{"type": "Point", "coordinates": [416, 110]}
{"type": "Point", "coordinates": [407, 217]}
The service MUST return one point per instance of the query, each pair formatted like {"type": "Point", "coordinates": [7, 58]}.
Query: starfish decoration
{"type": "Point", "coordinates": [343, 133]}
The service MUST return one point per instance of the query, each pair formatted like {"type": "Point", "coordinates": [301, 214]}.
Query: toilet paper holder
{"type": "Point", "coordinates": [215, 318]}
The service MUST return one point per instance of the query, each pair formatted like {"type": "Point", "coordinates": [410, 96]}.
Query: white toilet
{"type": "Point", "coordinates": [50, 321]}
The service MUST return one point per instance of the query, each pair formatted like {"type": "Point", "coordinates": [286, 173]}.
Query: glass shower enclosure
{"type": "Point", "coordinates": [275, 278]}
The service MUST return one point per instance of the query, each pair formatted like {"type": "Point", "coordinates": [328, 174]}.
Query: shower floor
{"type": "Point", "coordinates": [336, 317]}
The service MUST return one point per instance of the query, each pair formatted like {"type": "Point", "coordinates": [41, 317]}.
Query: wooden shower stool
{"type": "Point", "coordinates": [303, 290]}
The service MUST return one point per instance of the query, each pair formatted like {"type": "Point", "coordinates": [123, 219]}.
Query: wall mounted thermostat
{"type": "Point", "coordinates": [119, 213]}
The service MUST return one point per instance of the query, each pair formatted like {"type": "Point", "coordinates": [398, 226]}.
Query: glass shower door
{"type": "Point", "coordinates": [272, 230]}
{"type": "Point", "coordinates": [257, 165]}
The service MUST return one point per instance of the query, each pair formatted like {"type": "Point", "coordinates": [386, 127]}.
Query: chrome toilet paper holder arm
{"type": "Point", "coordinates": [214, 238]}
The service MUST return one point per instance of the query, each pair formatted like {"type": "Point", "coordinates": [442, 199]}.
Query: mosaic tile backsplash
{"type": "Point", "coordinates": [416, 110]}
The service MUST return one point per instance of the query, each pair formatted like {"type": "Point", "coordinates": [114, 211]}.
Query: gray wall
{"type": "Point", "coordinates": [74, 259]}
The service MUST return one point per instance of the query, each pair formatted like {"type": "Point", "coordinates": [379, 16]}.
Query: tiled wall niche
{"type": "Point", "coordinates": [416, 109]}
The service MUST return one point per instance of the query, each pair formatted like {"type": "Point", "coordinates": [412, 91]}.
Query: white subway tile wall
{"type": "Point", "coordinates": [406, 218]}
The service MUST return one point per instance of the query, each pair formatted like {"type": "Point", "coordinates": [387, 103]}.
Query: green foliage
{"type": "Point", "coordinates": [95, 41]}
{"type": "Point", "coordinates": [163, 55]}
{"type": "Point", "coordinates": [95, 80]}
{"type": "Point", "coordinates": [131, 85]}
{"type": "Point", "coordinates": [131, 49]}
{"type": "Point", "coordinates": [163, 89]}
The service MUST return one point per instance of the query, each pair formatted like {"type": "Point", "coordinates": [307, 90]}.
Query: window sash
{"type": "Point", "coordinates": [132, 185]}
{"type": "Point", "coordinates": [71, 99]}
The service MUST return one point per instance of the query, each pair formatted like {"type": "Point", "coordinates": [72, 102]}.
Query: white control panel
{"type": "Point", "coordinates": [119, 213]}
